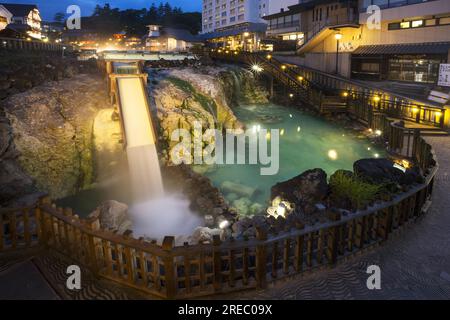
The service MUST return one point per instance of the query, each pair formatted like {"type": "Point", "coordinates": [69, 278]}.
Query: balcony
{"type": "Point", "coordinates": [286, 27]}
{"type": "Point", "coordinates": [322, 29]}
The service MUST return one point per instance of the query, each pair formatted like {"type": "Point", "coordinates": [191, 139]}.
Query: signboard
{"type": "Point", "coordinates": [444, 75]}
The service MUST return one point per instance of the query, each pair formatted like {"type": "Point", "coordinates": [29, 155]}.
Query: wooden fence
{"type": "Point", "coordinates": [29, 45]}
{"type": "Point", "coordinates": [204, 269]}
{"type": "Point", "coordinates": [314, 87]}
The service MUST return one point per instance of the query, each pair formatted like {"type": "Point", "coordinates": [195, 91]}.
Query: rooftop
{"type": "Point", "coordinates": [19, 10]}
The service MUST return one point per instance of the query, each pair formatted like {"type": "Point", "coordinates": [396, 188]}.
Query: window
{"type": "Point", "coordinates": [370, 67]}
{"type": "Point", "coordinates": [232, 19]}
{"type": "Point", "coordinates": [394, 26]}
{"type": "Point", "coordinates": [417, 23]}
{"type": "Point", "coordinates": [430, 22]}
{"type": "Point", "coordinates": [405, 24]}
{"type": "Point", "coordinates": [445, 20]}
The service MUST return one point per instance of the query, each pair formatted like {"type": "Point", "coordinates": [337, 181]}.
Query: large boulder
{"type": "Point", "coordinates": [113, 215]}
{"type": "Point", "coordinates": [382, 171]}
{"type": "Point", "coordinates": [307, 188]}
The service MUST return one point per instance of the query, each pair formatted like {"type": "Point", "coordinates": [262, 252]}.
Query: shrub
{"type": "Point", "coordinates": [352, 189]}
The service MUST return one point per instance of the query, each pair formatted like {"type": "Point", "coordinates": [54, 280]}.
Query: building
{"type": "Point", "coordinates": [52, 31]}
{"type": "Point", "coordinates": [284, 30]}
{"type": "Point", "coordinates": [410, 41]}
{"type": "Point", "coordinates": [164, 39]}
{"type": "Point", "coordinates": [234, 24]}
{"type": "Point", "coordinates": [25, 19]}
{"type": "Point", "coordinates": [5, 17]}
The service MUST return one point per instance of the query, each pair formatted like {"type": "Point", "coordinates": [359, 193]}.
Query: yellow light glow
{"type": "Point", "coordinates": [291, 95]}
{"type": "Point", "coordinates": [298, 129]}
{"type": "Point", "coordinates": [438, 114]}
{"type": "Point", "coordinates": [376, 98]}
{"type": "Point", "coordinates": [338, 36]}
{"type": "Point", "coordinates": [415, 110]}
{"type": "Point", "coordinates": [282, 132]}
{"type": "Point", "coordinates": [300, 78]}
{"type": "Point", "coordinates": [269, 56]}
{"type": "Point", "coordinates": [332, 154]}
{"type": "Point", "coordinates": [345, 94]}
{"type": "Point", "coordinates": [283, 67]}
{"type": "Point", "coordinates": [246, 34]}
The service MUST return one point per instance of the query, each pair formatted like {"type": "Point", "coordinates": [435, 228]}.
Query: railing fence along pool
{"type": "Point", "coordinates": [190, 271]}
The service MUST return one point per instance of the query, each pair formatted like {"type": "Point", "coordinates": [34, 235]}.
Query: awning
{"type": "Point", "coordinates": [411, 48]}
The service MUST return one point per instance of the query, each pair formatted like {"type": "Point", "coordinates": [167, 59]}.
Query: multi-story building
{"type": "Point", "coordinates": [402, 40]}
{"type": "Point", "coordinates": [5, 17]}
{"type": "Point", "coordinates": [236, 24]}
{"type": "Point", "coordinates": [25, 17]}
{"type": "Point", "coordinates": [164, 39]}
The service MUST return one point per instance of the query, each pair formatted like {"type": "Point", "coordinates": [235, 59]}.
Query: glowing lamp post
{"type": "Point", "coordinates": [338, 37]}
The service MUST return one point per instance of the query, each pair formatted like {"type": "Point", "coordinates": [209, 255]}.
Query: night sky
{"type": "Point", "coordinates": [48, 8]}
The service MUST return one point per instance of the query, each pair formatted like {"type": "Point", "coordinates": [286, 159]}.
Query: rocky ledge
{"type": "Point", "coordinates": [46, 137]}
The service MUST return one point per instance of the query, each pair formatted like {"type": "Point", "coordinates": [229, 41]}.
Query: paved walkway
{"type": "Point", "coordinates": [414, 264]}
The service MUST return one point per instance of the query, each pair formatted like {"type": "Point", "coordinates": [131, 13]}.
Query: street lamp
{"type": "Point", "coordinates": [63, 48]}
{"type": "Point", "coordinates": [337, 36]}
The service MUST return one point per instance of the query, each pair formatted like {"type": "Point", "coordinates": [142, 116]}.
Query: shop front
{"type": "Point", "coordinates": [403, 62]}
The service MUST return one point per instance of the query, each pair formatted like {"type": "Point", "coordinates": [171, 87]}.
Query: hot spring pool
{"type": "Point", "coordinates": [307, 142]}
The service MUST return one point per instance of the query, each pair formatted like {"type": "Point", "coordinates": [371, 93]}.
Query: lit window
{"type": "Point", "coordinates": [430, 22]}
{"type": "Point", "coordinates": [417, 23]}
{"type": "Point", "coordinates": [404, 25]}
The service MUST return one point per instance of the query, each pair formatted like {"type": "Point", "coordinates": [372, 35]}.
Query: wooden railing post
{"type": "Point", "coordinates": [217, 282]}
{"type": "Point", "coordinates": [261, 259]}
{"type": "Point", "coordinates": [169, 268]}
{"type": "Point", "coordinates": [333, 238]}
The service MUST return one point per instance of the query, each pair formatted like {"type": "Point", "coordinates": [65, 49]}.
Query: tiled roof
{"type": "Point", "coordinates": [407, 48]}
{"type": "Point", "coordinates": [19, 10]}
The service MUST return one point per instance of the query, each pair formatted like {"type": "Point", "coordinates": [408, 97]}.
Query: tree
{"type": "Point", "coordinates": [59, 17]}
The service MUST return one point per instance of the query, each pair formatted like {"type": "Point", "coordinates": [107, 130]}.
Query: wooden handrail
{"type": "Point", "coordinates": [190, 271]}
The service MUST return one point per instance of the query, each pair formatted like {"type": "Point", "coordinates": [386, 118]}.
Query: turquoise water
{"type": "Point", "coordinates": [307, 143]}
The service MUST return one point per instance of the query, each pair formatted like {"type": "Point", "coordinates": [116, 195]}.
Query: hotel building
{"type": "Point", "coordinates": [237, 24]}
{"type": "Point", "coordinates": [25, 19]}
{"type": "Point", "coordinates": [405, 40]}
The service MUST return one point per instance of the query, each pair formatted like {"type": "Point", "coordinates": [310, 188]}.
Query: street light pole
{"type": "Point", "coordinates": [337, 36]}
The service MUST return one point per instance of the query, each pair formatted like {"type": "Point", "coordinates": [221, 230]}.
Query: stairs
{"type": "Point", "coordinates": [333, 105]}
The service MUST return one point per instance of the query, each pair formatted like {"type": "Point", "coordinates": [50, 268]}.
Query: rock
{"type": "Point", "coordinates": [209, 221]}
{"type": "Point", "coordinates": [382, 171]}
{"type": "Point", "coordinates": [237, 188]}
{"type": "Point", "coordinates": [5, 84]}
{"type": "Point", "coordinates": [231, 197]}
{"type": "Point", "coordinates": [113, 215]}
{"type": "Point", "coordinates": [204, 235]}
{"type": "Point", "coordinates": [51, 127]}
{"type": "Point", "coordinates": [309, 187]}
{"type": "Point", "coordinates": [242, 205]}
{"type": "Point", "coordinates": [255, 209]}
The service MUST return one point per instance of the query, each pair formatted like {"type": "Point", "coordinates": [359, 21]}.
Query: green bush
{"type": "Point", "coordinates": [347, 187]}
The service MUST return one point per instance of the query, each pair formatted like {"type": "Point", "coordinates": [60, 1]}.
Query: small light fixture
{"type": "Point", "coordinates": [415, 110]}
{"type": "Point", "coordinates": [291, 95]}
{"type": "Point", "coordinates": [300, 78]}
{"type": "Point", "coordinates": [283, 67]}
{"type": "Point", "coordinates": [246, 34]}
{"type": "Point", "coordinates": [378, 132]}
{"type": "Point", "coordinates": [345, 94]}
{"type": "Point", "coordinates": [332, 154]}
{"type": "Point", "coordinates": [338, 36]}
{"type": "Point", "coordinates": [224, 224]}
{"type": "Point", "coordinates": [376, 98]}
{"type": "Point", "coordinates": [269, 56]}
